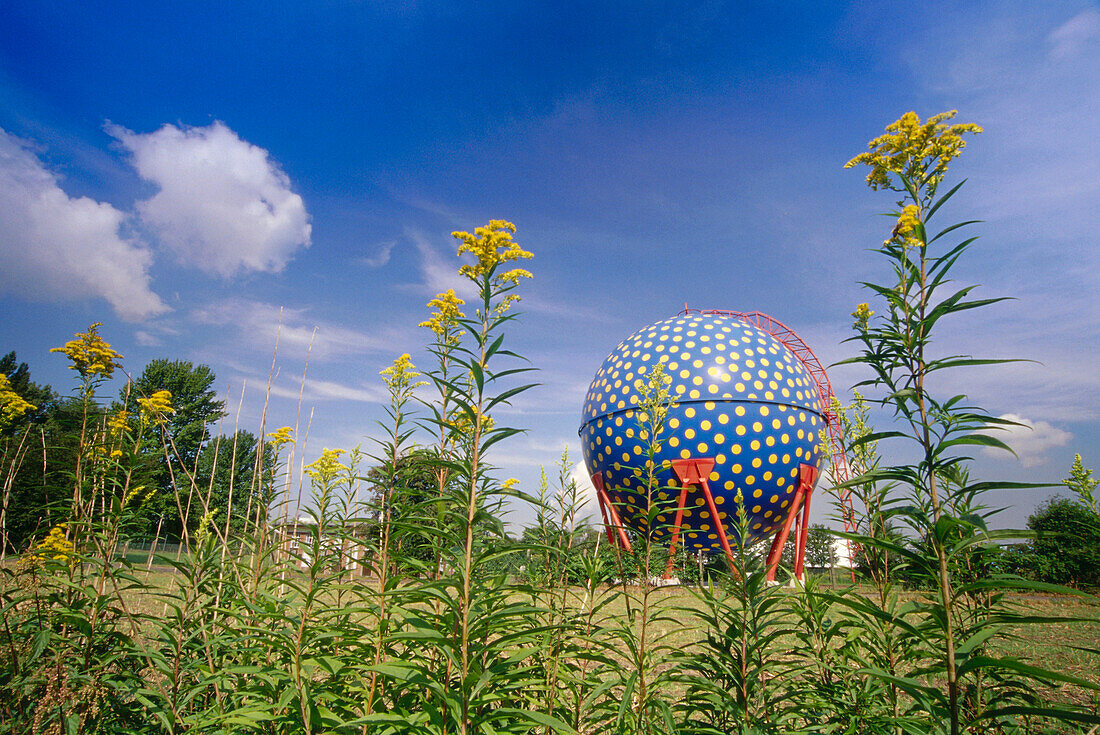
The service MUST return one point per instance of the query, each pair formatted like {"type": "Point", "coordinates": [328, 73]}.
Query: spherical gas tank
{"type": "Point", "coordinates": [738, 396]}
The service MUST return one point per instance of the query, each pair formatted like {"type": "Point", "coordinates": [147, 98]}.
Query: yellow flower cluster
{"type": "Point", "coordinates": [508, 484]}
{"type": "Point", "coordinates": [327, 467]}
{"type": "Point", "coordinates": [156, 406]}
{"type": "Point", "coordinates": [118, 423]}
{"type": "Point", "coordinates": [907, 221]}
{"type": "Point", "coordinates": [492, 245]}
{"type": "Point", "coordinates": [862, 316]}
{"type": "Point", "coordinates": [282, 436]}
{"type": "Point", "coordinates": [447, 312]}
{"type": "Point", "coordinates": [919, 151]}
{"type": "Point", "coordinates": [400, 377]}
{"type": "Point", "coordinates": [55, 545]}
{"type": "Point", "coordinates": [12, 405]}
{"type": "Point", "coordinates": [90, 354]}
{"type": "Point", "coordinates": [463, 425]}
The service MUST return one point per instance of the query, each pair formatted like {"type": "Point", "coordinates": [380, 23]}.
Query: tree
{"type": "Point", "coordinates": [1066, 547]}
{"type": "Point", "coordinates": [43, 398]}
{"type": "Point", "coordinates": [820, 551]}
{"type": "Point", "coordinates": [194, 408]}
{"type": "Point", "coordinates": [412, 514]}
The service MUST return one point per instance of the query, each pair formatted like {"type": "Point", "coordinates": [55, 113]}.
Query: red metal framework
{"type": "Point", "coordinates": [834, 429]}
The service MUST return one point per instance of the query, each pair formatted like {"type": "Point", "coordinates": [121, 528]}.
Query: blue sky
{"type": "Point", "coordinates": [183, 172]}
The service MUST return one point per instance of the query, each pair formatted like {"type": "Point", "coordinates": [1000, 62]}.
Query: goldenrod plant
{"type": "Point", "coordinates": [461, 634]}
{"type": "Point", "coordinates": [953, 682]}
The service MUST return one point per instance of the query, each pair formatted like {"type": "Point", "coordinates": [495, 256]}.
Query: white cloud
{"type": "Point", "coordinates": [586, 491]}
{"type": "Point", "coordinates": [53, 246]}
{"type": "Point", "coordinates": [223, 205]}
{"type": "Point", "coordinates": [1030, 441]}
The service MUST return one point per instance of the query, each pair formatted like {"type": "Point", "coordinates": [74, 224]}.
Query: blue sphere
{"type": "Point", "coordinates": [739, 396]}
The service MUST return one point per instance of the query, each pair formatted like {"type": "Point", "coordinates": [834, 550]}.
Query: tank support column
{"type": "Point", "coordinates": [610, 515]}
{"type": "Point", "coordinates": [804, 527]}
{"type": "Point", "coordinates": [807, 475]}
{"type": "Point", "coordinates": [696, 471]}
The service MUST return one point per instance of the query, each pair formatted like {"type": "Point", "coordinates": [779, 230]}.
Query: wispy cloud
{"type": "Point", "coordinates": [262, 323]}
{"type": "Point", "coordinates": [438, 268]}
{"type": "Point", "coordinates": [223, 206]}
{"type": "Point", "coordinates": [327, 390]}
{"type": "Point", "coordinates": [53, 246]}
{"type": "Point", "coordinates": [381, 256]}
{"type": "Point", "coordinates": [1072, 37]}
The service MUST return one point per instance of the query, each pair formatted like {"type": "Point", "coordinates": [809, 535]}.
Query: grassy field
{"type": "Point", "coordinates": [1071, 647]}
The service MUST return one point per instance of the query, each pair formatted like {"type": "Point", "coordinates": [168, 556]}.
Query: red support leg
{"type": "Point", "coordinates": [597, 482]}
{"type": "Point", "coordinates": [676, 530]}
{"type": "Point", "coordinates": [697, 472]}
{"type": "Point", "coordinates": [607, 508]}
{"type": "Point", "coordinates": [807, 475]}
{"type": "Point", "coordinates": [781, 538]}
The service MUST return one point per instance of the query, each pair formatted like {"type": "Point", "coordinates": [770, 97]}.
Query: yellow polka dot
{"type": "Point", "coordinates": [694, 394]}
{"type": "Point", "coordinates": [728, 485]}
{"type": "Point", "coordinates": [757, 493]}
{"type": "Point", "coordinates": [740, 410]}
{"type": "Point", "coordinates": [749, 480]}
{"type": "Point", "coordinates": [763, 410]}
{"type": "Point", "coordinates": [723, 419]}
{"type": "Point", "coordinates": [697, 380]}
{"type": "Point", "coordinates": [719, 438]}
{"type": "Point", "coordinates": [740, 431]}
{"type": "Point", "coordinates": [709, 405]}
{"type": "Point", "coordinates": [674, 423]}
{"type": "Point", "coordinates": [754, 444]}
{"type": "Point", "coordinates": [689, 433]}
{"type": "Point", "coordinates": [736, 469]}
{"type": "Point", "coordinates": [704, 425]}
{"type": "Point", "coordinates": [689, 412]}
{"type": "Point", "coordinates": [702, 447]}
{"type": "Point", "coordinates": [756, 461]}
{"type": "Point", "coordinates": [684, 453]}
{"type": "Point", "coordinates": [673, 441]}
